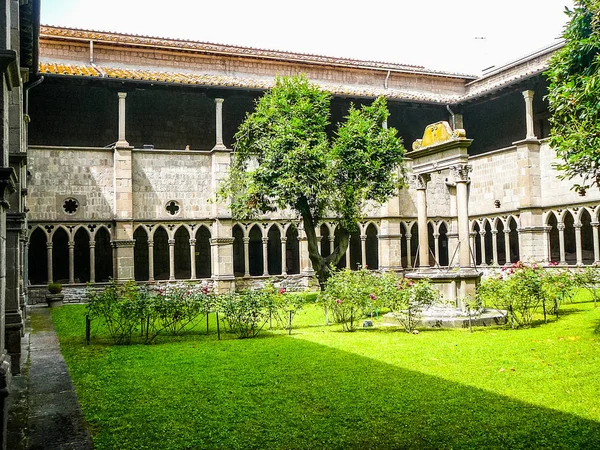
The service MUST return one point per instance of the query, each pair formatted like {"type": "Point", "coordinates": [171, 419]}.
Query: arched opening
{"type": "Point", "coordinates": [500, 247]}
{"type": "Point", "coordinates": [443, 243]}
{"type": "Point", "coordinates": [372, 248]}
{"type": "Point", "coordinates": [342, 262]}
{"type": "Point", "coordinates": [274, 250]}
{"type": "Point", "coordinates": [403, 245]}
{"type": "Point", "coordinates": [325, 244]}
{"type": "Point", "coordinates": [37, 261]}
{"type": "Point", "coordinates": [183, 262]}
{"type": "Point", "coordinates": [489, 243]}
{"type": "Point", "coordinates": [103, 256]}
{"type": "Point", "coordinates": [587, 239]}
{"type": "Point", "coordinates": [238, 251]}
{"type": "Point", "coordinates": [570, 245]}
{"type": "Point", "coordinates": [355, 251]}
{"type": "Point", "coordinates": [292, 251]}
{"type": "Point", "coordinates": [141, 255]}
{"type": "Point", "coordinates": [255, 250]}
{"type": "Point", "coordinates": [554, 238]}
{"type": "Point", "coordinates": [477, 249]}
{"type": "Point", "coordinates": [82, 256]}
{"type": "Point", "coordinates": [161, 254]}
{"type": "Point", "coordinates": [414, 244]}
{"type": "Point", "coordinates": [515, 253]}
{"type": "Point", "coordinates": [60, 256]}
{"type": "Point", "coordinates": [203, 253]}
{"type": "Point", "coordinates": [431, 244]}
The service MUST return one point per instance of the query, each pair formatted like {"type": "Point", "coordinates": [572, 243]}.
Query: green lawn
{"type": "Point", "coordinates": [323, 388]}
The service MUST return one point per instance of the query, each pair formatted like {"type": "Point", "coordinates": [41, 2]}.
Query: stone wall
{"type": "Point", "coordinates": [57, 174]}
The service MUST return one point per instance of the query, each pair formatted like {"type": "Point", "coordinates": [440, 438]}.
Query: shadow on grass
{"type": "Point", "coordinates": [293, 394]}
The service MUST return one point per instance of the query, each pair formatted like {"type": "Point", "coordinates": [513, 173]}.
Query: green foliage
{"type": "Point", "coordinates": [284, 159]}
{"type": "Point", "coordinates": [589, 278]}
{"type": "Point", "coordinates": [246, 312]}
{"type": "Point", "coordinates": [574, 91]}
{"type": "Point", "coordinates": [350, 294]}
{"type": "Point", "coordinates": [55, 288]}
{"type": "Point", "coordinates": [407, 299]}
{"type": "Point", "coordinates": [121, 307]}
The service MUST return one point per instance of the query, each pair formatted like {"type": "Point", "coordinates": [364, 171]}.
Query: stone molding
{"type": "Point", "coordinates": [123, 243]}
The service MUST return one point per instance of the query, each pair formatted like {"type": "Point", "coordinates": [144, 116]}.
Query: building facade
{"type": "Point", "coordinates": [131, 136]}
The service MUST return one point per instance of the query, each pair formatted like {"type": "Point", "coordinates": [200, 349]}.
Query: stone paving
{"type": "Point", "coordinates": [45, 412]}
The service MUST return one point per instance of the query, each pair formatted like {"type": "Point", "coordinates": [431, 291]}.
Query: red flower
{"type": "Point", "coordinates": [281, 291]}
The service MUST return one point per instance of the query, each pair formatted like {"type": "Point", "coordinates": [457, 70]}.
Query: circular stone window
{"type": "Point", "coordinates": [71, 206]}
{"type": "Point", "coordinates": [173, 208]}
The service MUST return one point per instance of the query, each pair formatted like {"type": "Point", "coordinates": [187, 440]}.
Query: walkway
{"type": "Point", "coordinates": [45, 413]}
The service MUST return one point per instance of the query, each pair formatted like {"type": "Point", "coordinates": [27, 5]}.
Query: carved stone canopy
{"type": "Point", "coordinates": [439, 133]}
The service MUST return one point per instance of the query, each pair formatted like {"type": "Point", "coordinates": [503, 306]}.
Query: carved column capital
{"type": "Point", "coordinates": [560, 227]}
{"type": "Point", "coordinates": [461, 172]}
{"type": "Point", "coordinates": [421, 181]}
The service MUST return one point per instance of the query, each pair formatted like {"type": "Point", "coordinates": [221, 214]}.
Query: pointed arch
{"type": "Point", "coordinates": [274, 250]}
{"type": "Point", "coordinates": [587, 236]}
{"type": "Point", "coordinates": [60, 255]}
{"type": "Point", "coordinates": [183, 262]}
{"type": "Point", "coordinates": [553, 237]}
{"type": "Point", "coordinates": [255, 251]}
{"type": "Point", "coordinates": [431, 243]}
{"type": "Point", "coordinates": [325, 243]}
{"type": "Point", "coordinates": [203, 253]}
{"type": "Point", "coordinates": [414, 244]}
{"type": "Point", "coordinates": [239, 264]}
{"type": "Point", "coordinates": [513, 236]}
{"type": "Point", "coordinates": [476, 228]}
{"type": "Point", "coordinates": [488, 242]}
{"type": "Point", "coordinates": [103, 255]}
{"type": "Point", "coordinates": [161, 253]}
{"type": "Point", "coordinates": [292, 252]}
{"type": "Point", "coordinates": [443, 244]}
{"type": "Point", "coordinates": [37, 260]}
{"type": "Point", "coordinates": [355, 250]}
{"type": "Point", "coordinates": [82, 255]}
{"type": "Point", "coordinates": [342, 262]}
{"type": "Point", "coordinates": [141, 255]}
{"type": "Point", "coordinates": [500, 242]}
{"type": "Point", "coordinates": [372, 247]}
{"type": "Point", "coordinates": [569, 233]}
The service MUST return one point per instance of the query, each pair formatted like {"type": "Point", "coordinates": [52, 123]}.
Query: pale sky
{"type": "Point", "coordinates": [459, 35]}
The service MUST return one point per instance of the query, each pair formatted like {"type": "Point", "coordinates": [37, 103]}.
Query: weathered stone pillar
{"type": "Point", "coordinates": [222, 253]}
{"type": "Point", "coordinates": [561, 243]}
{"type": "Point", "coordinates": [408, 251]}
{"type": "Point", "coordinates": [92, 261]}
{"type": "Point", "coordinates": [578, 249]}
{"type": "Point", "coordinates": [150, 260]}
{"type": "Point", "coordinates": [71, 262]}
{"type": "Point", "coordinates": [389, 241]}
{"type": "Point", "coordinates": [305, 263]}
{"type": "Point", "coordinates": [596, 241]}
{"type": "Point", "coordinates": [495, 247]}
{"type": "Point", "coordinates": [507, 246]}
{"type": "Point", "coordinates": [461, 177]}
{"type": "Point", "coordinates": [547, 244]}
{"type": "Point", "coordinates": [192, 259]}
{"type": "Point", "coordinates": [363, 250]}
{"type": "Point", "coordinates": [171, 259]}
{"type": "Point", "coordinates": [348, 260]}
{"type": "Point", "coordinates": [265, 243]}
{"type": "Point", "coordinates": [219, 130]}
{"type": "Point", "coordinates": [15, 228]}
{"type": "Point", "coordinates": [246, 256]}
{"type": "Point", "coordinates": [123, 243]}
{"type": "Point", "coordinates": [528, 95]}
{"type": "Point", "coordinates": [284, 256]}
{"type": "Point", "coordinates": [483, 255]}
{"type": "Point", "coordinates": [436, 247]}
{"type": "Point", "coordinates": [421, 185]}
{"type": "Point", "coordinates": [49, 257]}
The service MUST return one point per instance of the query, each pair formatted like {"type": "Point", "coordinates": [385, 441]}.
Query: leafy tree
{"type": "Point", "coordinates": [574, 96]}
{"type": "Point", "coordinates": [284, 160]}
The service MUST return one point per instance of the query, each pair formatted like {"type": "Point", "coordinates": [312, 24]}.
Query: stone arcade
{"type": "Point", "coordinates": [131, 136]}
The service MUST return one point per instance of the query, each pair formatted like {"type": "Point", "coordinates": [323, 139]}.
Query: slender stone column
{"type": "Point", "coordinates": [348, 261]}
{"type": "Point", "coordinates": [421, 184]}
{"type": "Point", "coordinates": [150, 260]}
{"type": "Point", "coordinates": [319, 239]}
{"type": "Point", "coordinates": [408, 251]}
{"type": "Point", "coordinates": [495, 247]}
{"type": "Point", "coordinates": [561, 242]}
{"type": "Point", "coordinates": [265, 242]}
{"type": "Point", "coordinates": [596, 241]}
{"type": "Point", "coordinates": [122, 142]}
{"type": "Point", "coordinates": [400, 248]}
{"type": "Point", "coordinates": [192, 259]}
{"type": "Point", "coordinates": [578, 249]}
{"type": "Point", "coordinates": [528, 95]}
{"type": "Point", "coordinates": [49, 257]}
{"type": "Point", "coordinates": [363, 249]}
{"type": "Point", "coordinates": [331, 244]}
{"type": "Point", "coordinates": [483, 255]}
{"type": "Point", "coordinates": [71, 262]}
{"type": "Point", "coordinates": [436, 247]}
{"type": "Point", "coordinates": [92, 261]}
{"type": "Point", "coordinates": [246, 256]}
{"type": "Point", "coordinates": [473, 244]}
{"type": "Point", "coordinates": [507, 246]}
{"type": "Point", "coordinates": [461, 176]}
{"type": "Point", "coordinates": [219, 130]}
{"type": "Point", "coordinates": [171, 259]}
{"type": "Point", "coordinates": [284, 256]}
{"type": "Point", "coordinates": [547, 250]}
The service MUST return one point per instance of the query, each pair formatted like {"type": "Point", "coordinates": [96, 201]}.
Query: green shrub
{"type": "Point", "coordinates": [247, 312]}
{"type": "Point", "coordinates": [55, 288]}
{"type": "Point", "coordinates": [589, 278]}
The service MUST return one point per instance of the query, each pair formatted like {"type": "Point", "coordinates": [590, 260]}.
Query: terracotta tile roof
{"type": "Point", "coordinates": [233, 50]}
{"type": "Point", "coordinates": [229, 81]}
